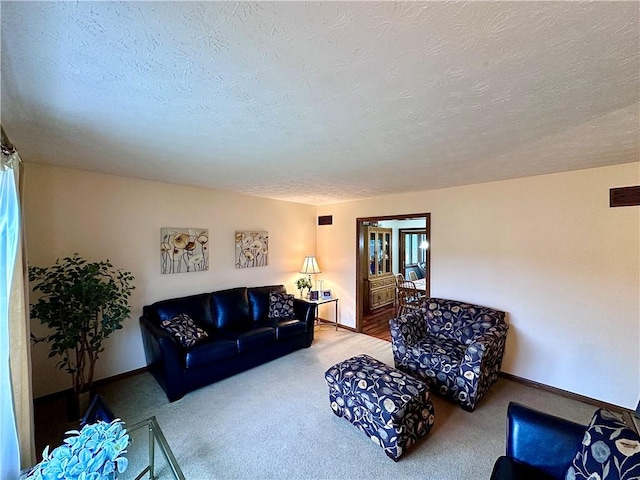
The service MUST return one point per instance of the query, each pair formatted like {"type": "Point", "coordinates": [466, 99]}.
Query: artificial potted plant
{"type": "Point", "coordinates": [81, 303]}
{"type": "Point", "coordinates": [97, 452]}
{"type": "Point", "coordinates": [302, 283]}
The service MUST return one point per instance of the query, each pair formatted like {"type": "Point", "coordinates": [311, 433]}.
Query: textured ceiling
{"type": "Point", "coordinates": [326, 101]}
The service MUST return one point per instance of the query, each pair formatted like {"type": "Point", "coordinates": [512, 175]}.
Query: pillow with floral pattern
{"type": "Point", "coordinates": [281, 305]}
{"type": "Point", "coordinates": [610, 451]}
{"type": "Point", "coordinates": [184, 329]}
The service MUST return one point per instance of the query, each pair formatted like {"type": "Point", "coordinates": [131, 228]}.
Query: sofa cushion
{"type": "Point", "coordinates": [610, 450]}
{"type": "Point", "coordinates": [254, 338]}
{"type": "Point", "coordinates": [281, 306]}
{"type": "Point", "coordinates": [259, 300]}
{"type": "Point", "coordinates": [214, 348]}
{"type": "Point", "coordinates": [289, 328]}
{"type": "Point", "coordinates": [196, 306]}
{"type": "Point", "coordinates": [442, 355]}
{"type": "Point", "coordinates": [184, 329]}
{"type": "Point", "coordinates": [231, 309]}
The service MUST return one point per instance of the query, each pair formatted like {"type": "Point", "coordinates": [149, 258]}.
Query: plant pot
{"type": "Point", "coordinates": [77, 404]}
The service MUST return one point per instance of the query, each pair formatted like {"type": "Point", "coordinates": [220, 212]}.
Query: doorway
{"type": "Point", "coordinates": [414, 253]}
{"type": "Point", "coordinates": [375, 287]}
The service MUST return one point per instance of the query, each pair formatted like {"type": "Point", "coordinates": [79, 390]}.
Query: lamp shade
{"type": "Point", "coordinates": [310, 265]}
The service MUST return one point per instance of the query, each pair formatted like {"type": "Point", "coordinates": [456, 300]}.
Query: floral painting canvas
{"type": "Point", "coordinates": [252, 249]}
{"type": "Point", "coordinates": [184, 250]}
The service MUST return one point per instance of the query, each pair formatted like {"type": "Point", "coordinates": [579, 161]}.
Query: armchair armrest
{"type": "Point", "coordinates": [406, 331]}
{"type": "Point", "coordinates": [408, 328]}
{"type": "Point", "coordinates": [492, 341]}
{"type": "Point", "coordinates": [543, 441]}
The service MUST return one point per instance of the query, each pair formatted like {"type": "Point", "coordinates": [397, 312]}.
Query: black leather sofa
{"type": "Point", "coordinates": [240, 336]}
{"type": "Point", "coordinates": [539, 446]}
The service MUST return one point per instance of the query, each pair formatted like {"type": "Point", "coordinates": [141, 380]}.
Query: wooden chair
{"type": "Point", "coordinates": [413, 276]}
{"type": "Point", "coordinates": [399, 279]}
{"type": "Point", "coordinates": [408, 297]}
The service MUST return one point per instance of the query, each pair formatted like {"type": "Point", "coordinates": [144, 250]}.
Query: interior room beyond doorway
{"type": "Point", "coordinates": [387, 246]}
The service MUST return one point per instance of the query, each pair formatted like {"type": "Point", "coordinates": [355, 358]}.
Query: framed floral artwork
{"type": "Point", "coordinates": [252, 249]}
{"type": "Point", "coordinates": [184, 250]}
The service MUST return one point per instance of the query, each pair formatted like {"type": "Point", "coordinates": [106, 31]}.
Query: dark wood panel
{"type": "Point", "coordinates": [624, 196]}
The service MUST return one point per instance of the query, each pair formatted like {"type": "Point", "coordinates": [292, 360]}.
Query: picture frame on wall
{"type": "Point", "coordinates": [184, 250]}
{"type": "Point", "coordinates": [252, 248]}
{"type": "Point", "coordinates": [326, 295]}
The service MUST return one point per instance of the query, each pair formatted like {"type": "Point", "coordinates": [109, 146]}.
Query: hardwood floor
{"type": "Point", "coordinates": [376, 322]}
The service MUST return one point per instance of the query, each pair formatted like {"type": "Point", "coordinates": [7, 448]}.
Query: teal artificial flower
{"type": "Point", "coordinates": [94, 453]}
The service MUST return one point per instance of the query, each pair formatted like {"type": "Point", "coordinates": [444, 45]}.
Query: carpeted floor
{"type": "Point", "coordinates": [274, 421]}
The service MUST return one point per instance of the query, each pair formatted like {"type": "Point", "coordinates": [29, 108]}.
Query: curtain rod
{"type": "Point", "coordinates": [7, 147]}
{"type": "Point", "coordinates": [10, 157]}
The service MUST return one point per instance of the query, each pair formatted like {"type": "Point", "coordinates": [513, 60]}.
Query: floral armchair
{"type": "Point", "coordinates": [456, 348]}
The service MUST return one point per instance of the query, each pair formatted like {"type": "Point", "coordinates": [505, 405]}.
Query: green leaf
{"type": "Point", "coordinates": [81, 303]}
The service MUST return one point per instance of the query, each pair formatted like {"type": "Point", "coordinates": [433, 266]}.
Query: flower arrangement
{"type": "Point", "coordinates": [94, 453]}
{"type": "Point", "coordinates": [302, 283]}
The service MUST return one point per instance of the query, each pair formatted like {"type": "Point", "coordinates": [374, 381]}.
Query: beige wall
{"type": "Point", "coordinates": [103, 216]}
{"type": "Point", "coordinates": [548, 250]}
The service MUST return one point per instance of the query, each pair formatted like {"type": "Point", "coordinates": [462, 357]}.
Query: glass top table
{"type": "Point", "coordinates": [323, 301]}
{"type": "Point", "coordinates": [146, 438]}
{"type": "Point", "coordinates": [147, 435]}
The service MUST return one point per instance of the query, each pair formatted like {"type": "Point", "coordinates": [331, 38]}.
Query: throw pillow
{"type": "Point", "coordinates": [610, 451]}
{"type": "Point", "coordinates": [281, 305]}
{"type": "Point", "coordinates": [184, 329]}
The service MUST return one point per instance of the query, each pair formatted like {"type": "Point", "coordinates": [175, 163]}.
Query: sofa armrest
{"type": "Point", "coordinates": [154, 332]}
{"type": "Point", "coordinates": [304, 311]}
{"type": "Point", "coordinates": [165, 358]}
{"type": "Point", "coordinates": [544, 441]}
{"type": "Point", "coordinates": [507, 468]}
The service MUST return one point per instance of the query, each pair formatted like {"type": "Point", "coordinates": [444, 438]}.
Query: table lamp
{"type": "Point", "coordinates": [310, 266]}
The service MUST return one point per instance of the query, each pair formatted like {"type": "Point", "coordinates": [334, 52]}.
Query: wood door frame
{"type": "Point", "coordinates": [360, 248]}
{"type": "Point", "coordinates": [401, 246]}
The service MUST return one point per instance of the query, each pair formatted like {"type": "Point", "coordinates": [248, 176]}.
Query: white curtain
{"type": "Point", "coordinates": [16, 402]}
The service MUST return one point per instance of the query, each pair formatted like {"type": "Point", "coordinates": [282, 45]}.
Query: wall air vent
{"type": "Point", "coordinates": [624, 196]}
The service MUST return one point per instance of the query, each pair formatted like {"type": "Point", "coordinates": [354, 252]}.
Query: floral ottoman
{"type": "Point", "coordinates": [392, 408]}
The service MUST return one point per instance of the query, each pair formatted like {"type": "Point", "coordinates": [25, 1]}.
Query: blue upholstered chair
{"type": "Point", "coordinates": [456, 348]}
{"type": "Point", "coordinates": [541, 446]}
